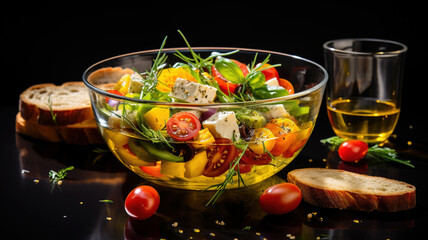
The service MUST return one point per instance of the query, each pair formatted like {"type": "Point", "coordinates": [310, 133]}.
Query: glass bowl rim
{"type": "Point", "coordinates": [396, 52]}
{"type": "Point", "coordinates": [308, 91]}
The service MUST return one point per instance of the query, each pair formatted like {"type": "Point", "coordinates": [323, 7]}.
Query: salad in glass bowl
{"type": "Point", "coordinates": [206, 118]}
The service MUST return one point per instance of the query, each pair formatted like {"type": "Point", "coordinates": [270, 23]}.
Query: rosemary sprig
{"type": "Point", "coordinates": [380, 154]}
{"type": "Point", "coordinates": [233, 170]}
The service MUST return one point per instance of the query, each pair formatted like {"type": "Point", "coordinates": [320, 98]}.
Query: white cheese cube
{"type": "Point", "coordinates": [274, 111]}
{"type": "Point", "coordinates": [192, 92]}
{"type": "Point", "coordinates": [272, 82]}
{"type": "Point", "coordinates": [136, 83]}
{"type": "Point", "coordinates": [223, 124]}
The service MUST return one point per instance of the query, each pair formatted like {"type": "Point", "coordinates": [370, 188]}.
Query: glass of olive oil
{"type": "Point", "coordinates": [365, 85]}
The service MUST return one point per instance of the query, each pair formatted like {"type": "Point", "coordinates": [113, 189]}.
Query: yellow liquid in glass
{"type": "Point", "coordinates": [365, 119]}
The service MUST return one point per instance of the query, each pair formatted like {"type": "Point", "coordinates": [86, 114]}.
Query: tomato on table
{"type": "Point", "coordinates": [281, 198]}
{"type": "Point", "coordinates": [220, 155]}
{"type": "Point", "coordinates": [183, 126]}
{"type": "Point", "coordinates": [142, 202]}
{"type": "Point", "coordinates": [224, 84]}
{"type": "Point", "coordinates": [353, 150]}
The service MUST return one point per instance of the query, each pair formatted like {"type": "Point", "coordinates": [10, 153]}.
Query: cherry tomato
{"type": "Point", "coordinates": [183, 126]}
{"type": "Point", "coordinates": [224, 84]}
{"type": "Point", "coordinates": [353, 150]}
{"type": "Point", "coordinates": [154, 171]}
{"type": "Point", "coordinates": [253, 158]}
{"type": "Point", "coordinates": [286, 84]}
{"type": "Point", "coordinates": [220, 155]}
{"type": "Point", "coordinates": [270, 72]}
{"type": "Point", "coordinates": [113, 92]}
{"type": "Point", "coordinates": [244, 168]}
{"type": "Point", "coordinates": [281, 198]}
{"type": "Point", "coordinates": [142, 202]}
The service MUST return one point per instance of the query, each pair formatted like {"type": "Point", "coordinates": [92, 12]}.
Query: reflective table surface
{"type": "Point", "coordinates": [89, 202]}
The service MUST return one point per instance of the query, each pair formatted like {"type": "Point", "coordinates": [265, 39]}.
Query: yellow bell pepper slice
{"type": "Point", "coordinates": [167, 77]}
{"type": "Point", "coordinates": [123, 84]}
{"type": "Point", "coordinates": [203, 139]}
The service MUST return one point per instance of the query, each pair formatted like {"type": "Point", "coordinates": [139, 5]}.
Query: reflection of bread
{"type": "Point", "coordinates": [333, 188]}
{"type": "Point", "coordinates": [82, 133]}
{"type": "Point", "coordinates": [74, 119]}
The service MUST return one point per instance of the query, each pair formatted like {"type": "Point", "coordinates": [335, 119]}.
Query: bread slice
{"type": "Point", "coordinates": [69, 103]}
{"type": "Point", "coordinates": [334, 188]}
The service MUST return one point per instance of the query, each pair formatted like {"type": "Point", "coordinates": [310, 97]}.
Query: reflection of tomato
{"type": "Point", "coordinates": [183, 126]}
{"type": "Point", "coordinates": [281, 198]}
{"type": "Point", "coordinates": [220, 155]}
{"type": "Point", "coordinates": [257, 159]}
{"type": "Point", "coordinates": [270, 72]}
{"type": "Point", "coordinates": [224, 84]}
{"type": "Point", "coordinates": [142, 202]}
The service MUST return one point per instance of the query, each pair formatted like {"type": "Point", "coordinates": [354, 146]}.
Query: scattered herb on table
{"type": "Point", "coordinates": [376, 152]}
{"type": "Point", "coordinates": [57, 177]}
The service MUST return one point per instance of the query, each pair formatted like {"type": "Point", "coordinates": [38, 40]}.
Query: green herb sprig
{"type": "Point", "coordinates": [233, 170]}
{"type": "Point", "coordinates": [57, 177]}
{"type": "Point", "coordinates": [376, 152]}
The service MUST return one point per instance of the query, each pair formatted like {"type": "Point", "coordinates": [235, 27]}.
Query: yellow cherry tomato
{"type": "Point", "coordinates": [262, 141]}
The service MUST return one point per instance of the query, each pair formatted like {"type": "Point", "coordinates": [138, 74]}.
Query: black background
{"type": "Point", "coordinates": [45, 43]}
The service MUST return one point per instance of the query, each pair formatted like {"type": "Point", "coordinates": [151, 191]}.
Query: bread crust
{"type": "Point", "coordinates": [331, 197]}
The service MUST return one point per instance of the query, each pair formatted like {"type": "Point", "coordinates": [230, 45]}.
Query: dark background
{"type": "Point", "coordinates": [46, 43]}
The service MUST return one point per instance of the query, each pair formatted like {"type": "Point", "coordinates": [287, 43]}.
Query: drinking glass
{"type": "Point", "coordinates": [365, 87]}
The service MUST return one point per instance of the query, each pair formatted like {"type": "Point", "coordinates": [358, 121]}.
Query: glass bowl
{"type": "Point", "coordinates": [134, 129]}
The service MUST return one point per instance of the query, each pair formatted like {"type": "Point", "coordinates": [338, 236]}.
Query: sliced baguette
{"type": "Point", "coordinates": [333, 188]}
{"type": "Point", "coordinates": [69, 103]}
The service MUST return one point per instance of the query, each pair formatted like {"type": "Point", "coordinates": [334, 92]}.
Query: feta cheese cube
{"type": "Point", "coordinates": [274, 111]}
{"type": "Point", "coordinates": [272, 82]}
{"type": "Point", "coordinates": [223, 124]}
{"type": "Point", "coordinates": [192, 92]}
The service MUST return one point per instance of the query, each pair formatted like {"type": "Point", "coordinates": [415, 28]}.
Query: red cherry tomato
{"type": "Point", "coordinates": [220, 155]}
{"type": "Point", "coordinates": [286, 84]}
{"type": "Point", "coordinates": [270, 72]}
{"type": "Point", "coordinates": [281, 198]}
{"type": "Point", "coordinates": [224, 84]}
{"type": "Point", "coordinates": [183, 126]}
{"type": "Point", "coordinates": [113, 92]}
{"type": "Point", "coordinates": [142, 202]}
{"type": "Point", "coordinates": [255, 159]}
{"type": "Point", "coordinates": [353, 150]}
